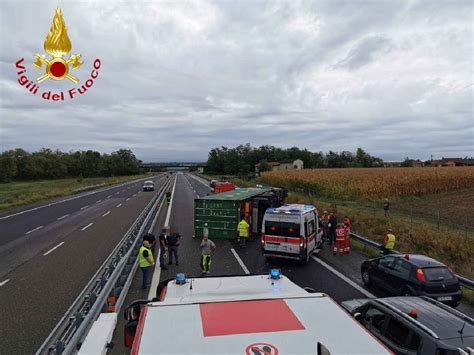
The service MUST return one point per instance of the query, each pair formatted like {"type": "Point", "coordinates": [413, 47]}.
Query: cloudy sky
{"type": "Point", "coordinates": [178, 78]}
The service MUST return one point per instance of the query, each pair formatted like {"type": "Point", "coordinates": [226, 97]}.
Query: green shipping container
{"type": "Point", "coordinates": [220, 213]}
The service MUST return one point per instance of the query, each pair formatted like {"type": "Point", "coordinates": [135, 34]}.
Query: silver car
{"type": "Point", "coordinates": [148, 186]}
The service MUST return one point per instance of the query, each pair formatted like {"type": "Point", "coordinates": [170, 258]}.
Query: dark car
{"type": "Point", "coordinates": [413, 275]}
{"type": "Point", "coordinates": [415, 325]}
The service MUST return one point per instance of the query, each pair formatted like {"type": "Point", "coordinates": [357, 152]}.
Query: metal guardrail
{"type": "Point", "coordinates": [71, 330]}
{"type": "Point", "coordinates": [464, 281]}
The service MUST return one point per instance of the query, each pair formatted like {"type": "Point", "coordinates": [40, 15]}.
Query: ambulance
{"type": "Point", "coordinates": [291, 232]}
{"type": "Point", "coordinates": [244, 315]}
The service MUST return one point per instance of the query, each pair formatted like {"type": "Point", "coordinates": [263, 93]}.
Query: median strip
{"type": "Point", "coordinates": [106, 213]}
{"type": "Point", "coordinates": [90, 224]}
{"type": "Point", "coordinates": [62, 217]}
{"type": "Point", "coordinates": [34, 230]}
{"type": "Point", "coordinates": [53, 249]}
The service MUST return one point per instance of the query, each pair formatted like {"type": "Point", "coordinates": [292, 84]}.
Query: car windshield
{"type": "Point", "coordinates": [437, 273]}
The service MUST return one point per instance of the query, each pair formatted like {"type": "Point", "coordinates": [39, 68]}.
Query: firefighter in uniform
{"type": "Point", "coordinates": [340, 239]}
{"type": "Point", "coordinates": [243, 230]}
{"type": "Point", "coordinates": [146, 262]}
{"type": "Point", "coordinates": [347, 241]}
{"type": "Point", "coordinates": [389, 242]}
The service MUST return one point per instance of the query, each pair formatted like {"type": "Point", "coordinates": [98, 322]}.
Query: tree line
{"type": "Point", "coordinates": [18, 164]}
{"type": "Point", "coordinates": [241, 160]}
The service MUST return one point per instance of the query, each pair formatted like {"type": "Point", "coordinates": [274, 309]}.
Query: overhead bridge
{"type": "Point", "coordinates": [174, 166]}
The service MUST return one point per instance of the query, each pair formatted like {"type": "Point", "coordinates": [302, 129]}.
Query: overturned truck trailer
{"type": "Point", "coordinates": [219, 214]}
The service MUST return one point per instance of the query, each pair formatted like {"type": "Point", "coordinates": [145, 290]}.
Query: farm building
{"type": "Point", "coordinates": [283, 165]}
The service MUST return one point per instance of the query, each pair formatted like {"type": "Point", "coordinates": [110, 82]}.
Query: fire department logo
{"type": "Point", "coordinates": [57, 44]}
{"type": "Point", "coordinates": [57, 66]}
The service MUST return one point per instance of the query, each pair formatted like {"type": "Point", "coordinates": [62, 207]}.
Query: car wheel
{"type": "Point", "coordinates": [366, 278]}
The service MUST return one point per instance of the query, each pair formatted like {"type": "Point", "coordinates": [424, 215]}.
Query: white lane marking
{"type": "Point", "coordinates": [345, 278]}
{"type": "Point", "coordinates": [239, 260]}
{"type": "Point", "coordinates": [62, 217]}
{"type": "Point", "coordinates": [53, 249]}
{"type": "Point", "coordinates": [90, 224]}
{"type": "Point", "coordinates": [134, 195]}
{"type": "Point", "coordinates": [106, 213]}
{"type": "Point", "coordinates": [98, 201]}
{"type": "Point", "coordinates": [168, 213]}
{"type": "Point", "coordinates": [66, 200]}
{"type": "Point", "coordinates": [4, 282]}
{"type": "Point", "coordinates": [117, 192]}
{"type": "Point", "coordinates": [119, 205]}
{"type": "Point", "coordinates": [109, 196]}
{"type": "Point", "coordinates": [128, 199]}
{"type": "Point", "coordinates": [34, 230]}
{"type": "Point", "coordinates": [83, 208]}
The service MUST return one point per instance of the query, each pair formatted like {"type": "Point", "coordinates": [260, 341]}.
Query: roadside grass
{"type": "Point", "coordinates": [467, 296]}
{"type": "Point", "coordinates": [21, 193]}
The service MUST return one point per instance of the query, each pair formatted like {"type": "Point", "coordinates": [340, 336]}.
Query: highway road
{"type": "Point", "coordinates": [49, 251]}
{"type": "Point", "coordinates": [64, 253]}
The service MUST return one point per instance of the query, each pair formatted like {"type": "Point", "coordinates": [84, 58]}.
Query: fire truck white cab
{"type": "Point", "coordinates": [251, 315]}
{"type": "Point", "coordinates": [291, 232]}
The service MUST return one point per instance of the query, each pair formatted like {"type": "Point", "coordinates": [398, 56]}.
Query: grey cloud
{"type": "Point", "coordinates": [179, 78]}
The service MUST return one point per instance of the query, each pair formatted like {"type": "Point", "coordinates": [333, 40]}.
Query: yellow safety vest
{"type": "Point", "coordinates": [243, 229]}
{"type": "Point", "coordinates": [390, 241]}
{"type": "Point", "coordinates": [142, 260]}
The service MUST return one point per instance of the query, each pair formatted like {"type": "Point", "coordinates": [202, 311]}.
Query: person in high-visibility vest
{"type": "Point", "coordinates": [146, 262]}
{"type": "Point", "coordinates": [340, 239]}
{"type": "Point", "coordinates": [243, 230]}
{"type": "Point", "coordinates": [389, 242]}
{"type": "Point", "coordinates": [347, 238]}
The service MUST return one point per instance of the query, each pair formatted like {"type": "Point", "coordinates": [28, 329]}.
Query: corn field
{"type": "Point", "coordinates": [356, 183]}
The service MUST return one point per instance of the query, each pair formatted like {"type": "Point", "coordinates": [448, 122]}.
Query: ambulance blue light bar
{"type": "Point", "coordinates": [275, 274]}
{"type": "Point", "coordinates": [308, 207]}
{"type": "Point", "coordinates": [295, 210]}
{"type": "Point", "coordinates": [180, 279]}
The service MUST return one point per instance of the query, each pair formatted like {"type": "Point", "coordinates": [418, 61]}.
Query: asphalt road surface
{"type": "Point", "coordinates": [50, 251]}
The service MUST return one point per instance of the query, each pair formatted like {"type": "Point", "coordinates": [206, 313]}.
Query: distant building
{"type": "Point", "coordinates": [451, 162]}
{"type": "Point", "coordinates": [283, 165]}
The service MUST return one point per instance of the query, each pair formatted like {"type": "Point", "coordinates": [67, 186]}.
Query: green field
{"type": "Point", "coordinates": [20, 193]}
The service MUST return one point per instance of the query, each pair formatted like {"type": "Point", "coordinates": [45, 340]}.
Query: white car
{"type": "Point", "coordinates": [148, 186]}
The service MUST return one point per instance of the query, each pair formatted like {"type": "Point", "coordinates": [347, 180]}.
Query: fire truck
{"type": "Point", "coordinates": [291, 232]}
{"type": "Point", "coordinates": [248, 314]}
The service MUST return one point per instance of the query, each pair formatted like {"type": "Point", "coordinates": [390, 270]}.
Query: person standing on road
{"type": "Point", "coordinates": [243, 230]}
{"type": "Point", "coordinates": [173, 244]}
{"type": "Point", "coordinates": [340, 239]}
{"type": "Point", "coordinates": [332, 225]}
{"type": "Point", "coordinates": [347, 236]}
{"type": "Point", "coordinates": [324, 220]}
{"type": "Point", "coordinates": [389, 242]}
{"type": "Point", "coordinates": [207, 247]}
{"type": "Point", "coordinates": [146, 262]}
{"type": "Point", "coordinates": [386, 207]}
{"type": "Point", "coordinates": [163, 248]}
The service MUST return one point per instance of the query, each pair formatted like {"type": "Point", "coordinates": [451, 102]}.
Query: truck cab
{"type": "Point", "coordinates": [291, 232]}
{"type": "Point", "coordinates": [245, 314]}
